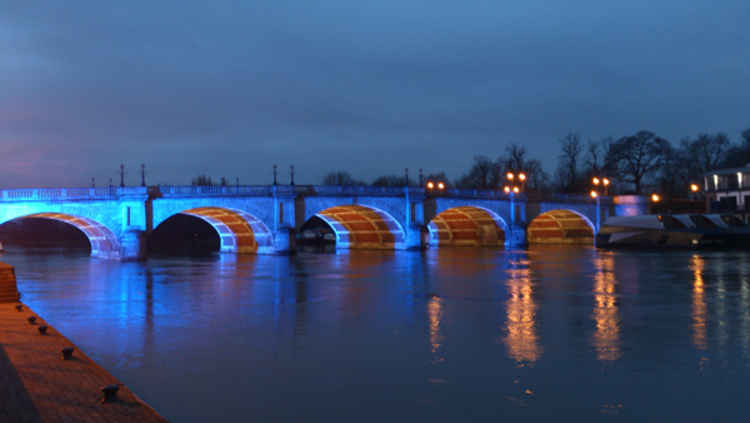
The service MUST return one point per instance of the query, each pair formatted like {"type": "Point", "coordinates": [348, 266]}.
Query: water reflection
{"type": "Point", "coordinates": [606, 314]}
{"type": "Point", "coordinates": [435, 314]}
{"type": "Point", "coordinates": [521, 340]}
{"type": "Point", "coordinates": [698, 314]}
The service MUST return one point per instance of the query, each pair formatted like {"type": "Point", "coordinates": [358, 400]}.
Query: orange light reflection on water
{"type": "Point", "coordinates": [606, 314]}
{"type": "Point", "coordinates": [435, 314]}
{"type": "Point", "coordinates": [521, 340]}
{"type": "Point", "coordinates": [699, 304]}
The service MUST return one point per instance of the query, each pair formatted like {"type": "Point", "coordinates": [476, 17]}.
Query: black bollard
{"type": "Point", "coordinates": [110, 393]}
{"type": "Point", "coordinates": [67, 353]}
{"type": "Point", "coordinates": [19, 307]}
{"type": "Point", "coordinates": [32, 319]}
{"type": "Point", "coordinates": [42, 330]}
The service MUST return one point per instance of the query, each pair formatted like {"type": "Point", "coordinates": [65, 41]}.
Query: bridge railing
{"type": "Point", "coordinates": [212, 190]}
{"type": "Point", "coordinates": [321, 190]}
{"type": "Point", "coordinates": [60, 194]}
{"type": "Point", "coordinates": [566, 198]}
{"type": "Point", "coordinates": [361, 190]}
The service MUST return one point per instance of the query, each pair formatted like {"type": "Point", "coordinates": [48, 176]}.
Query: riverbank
{"type": "Point", "coordinates": [38, 385]}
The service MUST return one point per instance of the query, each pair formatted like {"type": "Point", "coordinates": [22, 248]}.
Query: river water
{"type": "Point", "coordinates": [442, 335]}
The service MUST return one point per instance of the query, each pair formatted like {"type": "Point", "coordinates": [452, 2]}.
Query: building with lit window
{"type": "Point", "coordinates": [728, 189]}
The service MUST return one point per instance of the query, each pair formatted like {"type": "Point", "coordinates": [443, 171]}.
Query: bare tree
{"type": "Point", "coordinates": [739, 155]}
{"type": "Point", "coordinates": [636, 157]}
{"type": "Point", "coordinates": [515, 160]}
{"type": "Point", "coordinates": [340, 178]}
{"type": "Point", "coordinates": [704, 153]}
{"type": "Point", "coordinates": [202, 180]}
{"type": "Point", "coordinates": [596, 151]}
{"type": "Point", "coordinates": [567, 168]}
{"type": "Point", "coordinates": [484, 174]}
{"type": "Point", "coordinates": [391, 181]}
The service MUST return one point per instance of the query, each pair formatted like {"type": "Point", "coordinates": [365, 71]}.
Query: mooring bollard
{"type": "Point", "coordinates": [110, 393]}
{"type": "Point", "coordinates": [32, 319]}
{"type": "Point", "coordinates": [42, 330]}
{"type": "Point", "coordinates": [19, 307]}
{"type": "Point", "coordinates": [67, 353]}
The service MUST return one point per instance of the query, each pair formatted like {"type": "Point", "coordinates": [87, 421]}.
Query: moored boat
{"type": "Point", "coordinates": [674, 231]}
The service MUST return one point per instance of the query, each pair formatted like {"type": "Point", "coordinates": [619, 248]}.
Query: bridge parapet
{"type": "Point", "coordinates": [170, 191]}
{"type": "Point", "coordinates": [64, 194]}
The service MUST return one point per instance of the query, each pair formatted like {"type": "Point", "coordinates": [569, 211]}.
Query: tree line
{"type": "Point", "coordinates": [645, 162]}
{"type": "Point", "coordinates": [636, 164]}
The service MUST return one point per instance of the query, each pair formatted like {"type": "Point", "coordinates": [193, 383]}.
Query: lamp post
{"type": "Point", "coordinates": [512, 189]}
{"type": "Point", "coordinates": [603, 182]}
{"type": "Point", "coordinates": [595, 195]}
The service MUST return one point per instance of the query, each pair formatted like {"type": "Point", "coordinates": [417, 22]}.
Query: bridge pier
{"type": "Point", "coordinates": [413, 238]}
{"type": "Point", "coordinates": [515, 236]}
{"type": "Point", "coordinates": [284, 241]}
{"type": "Point", "coordinates": [133, 245]}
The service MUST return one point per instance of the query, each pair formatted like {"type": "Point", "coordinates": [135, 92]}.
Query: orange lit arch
{"type": "Point", "coordinates": [103, 242]}
{"type": "Point", "coordinates": [239, 232]}
{"type": "Point", "coordinates": [560, 227]}
{"type": "Point", "coordinates": [467, 226]}
{"type": "Point", "coordinates": [363, 227]}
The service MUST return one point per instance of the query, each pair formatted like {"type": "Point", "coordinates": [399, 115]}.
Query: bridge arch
{"type": "Point", "coordinates": [467, 226]}
{"type": "Point", "coordinates": [239, 231]}
{"type": "Point", "coordinates": [103, 242]}
{"type": "Point", "coordinates": [561, 226]}
{"type": "Point", "coordinates": [359, 226]}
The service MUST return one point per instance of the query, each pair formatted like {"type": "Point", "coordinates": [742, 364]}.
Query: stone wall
{"type": "Point", "coordinates": [8, 288]}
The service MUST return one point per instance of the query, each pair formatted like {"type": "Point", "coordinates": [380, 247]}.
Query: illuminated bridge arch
{"type": "Point", "coordinates": [239, 232]}
{"type": "Point", "coordinates": [363, 227]}
{"type": "Point", "coordinates": [560, 227]}
{"type": "Point", "coordinates": [467, 226]}
{"type": "Point", "coordinates": [103, 242]}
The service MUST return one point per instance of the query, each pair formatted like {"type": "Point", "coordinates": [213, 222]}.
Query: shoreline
{"type": "Point", "coordinates": [38, 385]}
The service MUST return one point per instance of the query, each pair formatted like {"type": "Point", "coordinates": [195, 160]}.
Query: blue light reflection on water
{"type": "Point", "coordinates": [442, 335]}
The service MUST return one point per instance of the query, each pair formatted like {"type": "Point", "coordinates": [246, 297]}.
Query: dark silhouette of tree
{"type": "Point", "coordinates": [739, 155]}
{"type": "Point", "coordinates": [515, 160]}
{"type": "Point", "coordinates": [202, 180]}
{"type": "Point", "coordinates": [567, 173]}
{"type": "Point", "coordinates": [636, 157]}
{"type": "Point", "coordinates": [483, 174]}
{"type": "Point", "coordinates": [596, 152]}
{"type": "Point", "coordinates": [340, 178]}
{"type": "Point", "coordinates": [391, 181]}
{"type": "Point", "coordinates": [704, 153]}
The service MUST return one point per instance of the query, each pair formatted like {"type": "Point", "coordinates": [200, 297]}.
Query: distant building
{"type": "Point", "coordinates": [728, 189]}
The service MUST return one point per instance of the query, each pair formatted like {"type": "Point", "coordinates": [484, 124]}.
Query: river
{"type": "Point", "coordinates": [441, 335]}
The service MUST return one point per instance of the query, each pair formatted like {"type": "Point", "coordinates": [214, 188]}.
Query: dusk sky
{"type": "Point", "coordinates": [229, 88]}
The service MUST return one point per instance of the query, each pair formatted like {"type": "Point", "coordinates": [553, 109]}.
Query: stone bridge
{"type": "Point", "coordinates": [268, 219]}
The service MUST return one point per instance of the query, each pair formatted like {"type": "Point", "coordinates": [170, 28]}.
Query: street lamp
{"type": "Point", "coordinates": [694, 188]}
{"type": "Point", "coordinates": [595, 194]}
{"type": "Point", "coordinates": [431, 185]}
{"type": "Point", "coordinates": [655, 198]}
{"type": "Point", "coordinates": [513, 189]}
{"type": "Point", "coordinates": [603, 181]}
